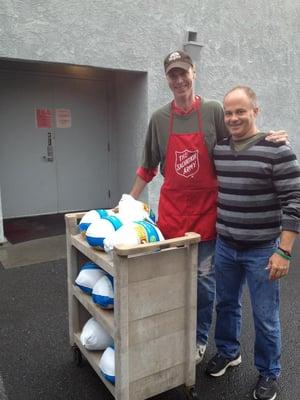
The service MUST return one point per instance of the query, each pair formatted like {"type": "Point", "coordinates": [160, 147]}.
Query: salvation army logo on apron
{"type": "Point", "coordinates": [186, 163]}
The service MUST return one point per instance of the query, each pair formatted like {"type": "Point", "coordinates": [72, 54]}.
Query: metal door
{"type": "Point", "coordinates": [49, 170]}
{"type": "Point", "coordinates": [28, 180]}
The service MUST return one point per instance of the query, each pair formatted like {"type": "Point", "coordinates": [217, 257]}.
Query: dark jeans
{"type": "Point", "coordinates": [233, 268]}
{"type": "Point", "coordinates": [206, 289]}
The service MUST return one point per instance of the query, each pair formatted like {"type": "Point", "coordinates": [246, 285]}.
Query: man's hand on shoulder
{"type": "Point", "coordinates": [278, 136]}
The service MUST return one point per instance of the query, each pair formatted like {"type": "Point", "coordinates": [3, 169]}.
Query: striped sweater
{"type": "Point", "coordinates": [259, 191]}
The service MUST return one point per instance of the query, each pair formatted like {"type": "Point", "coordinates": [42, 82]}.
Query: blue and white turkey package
{"type": "Point", "coordinates": [92, 216]}
{"type": "Point", "coordinates": [103, 292]}
{"type": "Point", "coordinates": [131, 209]}
{"type": "Point", "coordinates": [107, 365]}
{"type": "Point", "coordinates": [99, 230]}
{"type": "Point", "coordinates": [94, 336]}
{"type": "Point", "coordinates": [133, 234]}
{"type": "Point", "coordinates": [89, 274]}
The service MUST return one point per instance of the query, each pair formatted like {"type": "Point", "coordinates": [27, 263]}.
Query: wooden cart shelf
{"type": "Point", "coordinates": [104, 317]}
{"type": "Point", "coordinates": [153, 322]}
{"type": "Point", "coordinates": [96, 256]}
{"type": "Point", "coordinates": [93, 357]}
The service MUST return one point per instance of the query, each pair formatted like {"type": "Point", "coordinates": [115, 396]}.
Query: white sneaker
{"type": "Point", "coordinates": [200, 351]}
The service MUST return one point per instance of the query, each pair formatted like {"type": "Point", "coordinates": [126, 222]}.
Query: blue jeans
{"type": "Point", "coordinates": [206, 289]}
{"type": "Point", "coordinates": [233, 268]}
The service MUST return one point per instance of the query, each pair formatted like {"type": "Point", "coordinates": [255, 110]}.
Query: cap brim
{"type": "Point", "coordinates": [178, 64]}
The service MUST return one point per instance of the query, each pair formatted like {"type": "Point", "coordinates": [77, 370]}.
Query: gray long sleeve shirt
{"type": "Point", "coordinates": [259, 191]}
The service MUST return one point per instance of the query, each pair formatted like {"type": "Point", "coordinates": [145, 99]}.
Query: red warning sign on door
{"type": "Point", "coordinates": [43, 118]}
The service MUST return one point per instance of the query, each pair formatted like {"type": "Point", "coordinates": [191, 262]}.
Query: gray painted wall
{"type": "Point", "coordinates": [129, 119]}
{"type": "Point", "coordinates": [253, 42]}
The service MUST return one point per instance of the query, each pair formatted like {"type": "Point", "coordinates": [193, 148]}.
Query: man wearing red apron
{"type": "Point", "coordinates": [188, 194]}
{"type": "Point", "coordinates": [180, 139]}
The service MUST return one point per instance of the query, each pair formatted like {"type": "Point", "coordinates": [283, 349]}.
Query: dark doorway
{"type": "Point", "coordinates": [18, 230]}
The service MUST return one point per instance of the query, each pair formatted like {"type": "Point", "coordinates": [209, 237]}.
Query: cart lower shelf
{"type": "Point", "coordinates": [93, 358]}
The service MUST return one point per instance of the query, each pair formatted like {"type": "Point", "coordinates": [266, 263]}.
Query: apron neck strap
{"type": "Point", "coordinates": [197, 108]}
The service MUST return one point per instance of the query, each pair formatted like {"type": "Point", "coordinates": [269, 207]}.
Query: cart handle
{"type": "Point", "coordinates": [186, 240]}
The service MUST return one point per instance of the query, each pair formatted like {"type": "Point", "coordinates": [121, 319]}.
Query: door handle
{"type": "Point", "coordinates": [49, 157]}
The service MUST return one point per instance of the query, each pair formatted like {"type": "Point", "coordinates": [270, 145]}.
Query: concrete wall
{"type": "Point", "coordinates": [255, 43]}
{"type": "Point", "coordinates": [252, 42]}
{"type": "Point", "coordinates": [129, 118]}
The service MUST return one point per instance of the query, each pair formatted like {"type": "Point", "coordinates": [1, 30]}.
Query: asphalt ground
{"type": "Point", "coordinates": [36, 361]}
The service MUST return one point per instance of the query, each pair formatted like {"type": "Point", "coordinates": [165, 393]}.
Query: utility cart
{"type": "Point", "coordinates": [153, 322]}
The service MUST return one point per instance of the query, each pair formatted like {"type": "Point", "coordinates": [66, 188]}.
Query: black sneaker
{"type": "Point", "coordinates": [266, 388]}
{"type": "Point", "coordinates": [218, 365]}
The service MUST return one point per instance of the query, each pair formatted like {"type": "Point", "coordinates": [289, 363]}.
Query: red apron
{"type": "Point", "coordinates": [188, 196]}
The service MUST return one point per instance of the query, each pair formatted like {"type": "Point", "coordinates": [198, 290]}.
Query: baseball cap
{"type": "Point", "coordinates": [177, 59]}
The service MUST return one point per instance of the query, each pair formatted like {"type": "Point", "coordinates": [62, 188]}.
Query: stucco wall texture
{"type": "Point", "coordinates": [253, 42]}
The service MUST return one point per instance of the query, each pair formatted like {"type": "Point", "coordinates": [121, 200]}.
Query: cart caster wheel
{"type": "Point", "coordinates": [192, 394]}
{"type": "Point", "coordinates": [77, 356]}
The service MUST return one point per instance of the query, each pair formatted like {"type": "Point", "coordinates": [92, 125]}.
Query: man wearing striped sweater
{"type": "Point", "coordinates": [258, 221]}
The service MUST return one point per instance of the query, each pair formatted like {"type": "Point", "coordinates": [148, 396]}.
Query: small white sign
{"type": "Point", "coordinates": [63, 118]}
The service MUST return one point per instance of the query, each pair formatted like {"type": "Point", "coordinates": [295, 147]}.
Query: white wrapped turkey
{"type": "Point", "coordinates": [89, 274]}
{"type": "Point", "coordinates": [94, 336]}
{"type": "Point", "coordinates": [133, 234]}
{"type": "Point", "coordinates": [107, 364]}
{"type": "Point", "coordinates": [103, 292]}
{"type": "Point", "coordinates": [99, 230]}
{"type": "Point", "coordinates": [134, 210]}
{"type": "Point", "coordinates": [92, 216]}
